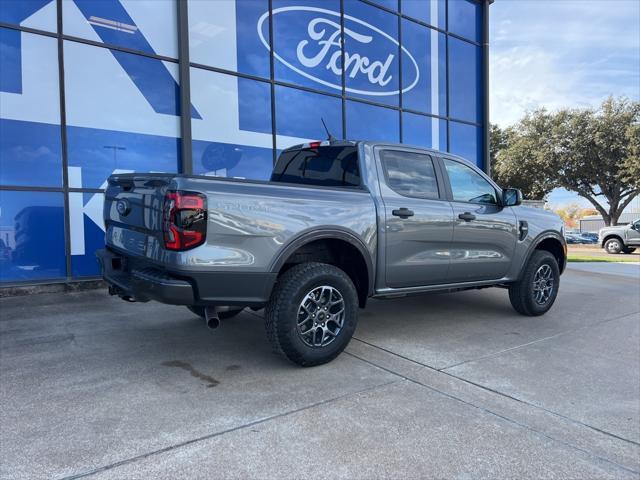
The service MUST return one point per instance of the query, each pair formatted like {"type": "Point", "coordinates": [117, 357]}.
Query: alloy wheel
{"type": "Point", "coordinates": [543, 283]}
{"type": "Point", "coordinates": [320, 316]}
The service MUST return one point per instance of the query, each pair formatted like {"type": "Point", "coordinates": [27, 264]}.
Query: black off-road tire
{"type": "Point", "coordinates": [224, 315]}
{"type": "Point", "coordinates": [613, 245]}
{"type": "Point", "coordinates": [281, 313]}
{"type": "Point", "coordinates": [522, 294]}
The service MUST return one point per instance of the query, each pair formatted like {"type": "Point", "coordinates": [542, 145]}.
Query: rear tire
{"type": "Point", "coordinates": [536, 291]}
{"type": "Point", "coordinates": [312, 313]}
{"type": "Point", "coordinates": [223, 315]}
{"type": "Point", "coordinates": [613, 245]}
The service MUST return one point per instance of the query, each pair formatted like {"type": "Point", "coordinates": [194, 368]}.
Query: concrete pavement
{"type": "Point", "coordinates": [439, 386]}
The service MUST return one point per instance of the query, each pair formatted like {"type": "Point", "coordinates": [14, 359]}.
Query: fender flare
{"type": "Point", "coordinates": [335, 233]}
{"type": "Point", "coordinates": [536, 241]}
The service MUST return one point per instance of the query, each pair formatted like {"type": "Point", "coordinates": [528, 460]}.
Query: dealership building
{"type": "Point", "coordinates": [211, 87]}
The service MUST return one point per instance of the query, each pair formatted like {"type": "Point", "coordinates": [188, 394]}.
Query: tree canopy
{"type": "Point", "coordinates": [593, 152]}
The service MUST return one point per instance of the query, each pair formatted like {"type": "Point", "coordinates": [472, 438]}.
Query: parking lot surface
{"type": "Point", "coordinates": [438, 386]}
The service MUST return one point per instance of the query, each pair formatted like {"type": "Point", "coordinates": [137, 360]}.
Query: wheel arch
{"type": "Point", "coordinates": [609, 237]}
{"type": "Point", "coordinates": [551, 242]}
{"type": "Point", "coordinates": [337, 247]}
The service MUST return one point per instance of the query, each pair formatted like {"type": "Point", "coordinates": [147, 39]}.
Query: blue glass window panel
{"type": "Point", "coordinates": [427, 48]}
{"type": "Point", "coordinates": [465, 81]}
{"type": "Point", "coordinates": [465, 18]}
{"type": "Point", "coordinates": [39, 14]}
{"type": "Point", "coordinates": [390, 4]}
{"type": "Point", "coordinates": [299, 114]}
{"type": "Point", "coordinates": [99, 153]}
{"type": "Point", "coordinates": [215, 27]}
{"type": "Point", "coordinates": [368, 122]}
{"type": "Point", "coordinates": [254, 104]}
{"type": "Point", "coordinates": [30, 145]}
{"type": "Point", "coordinates": [307, 50]}
{"type": "Point", "coordinates": [10, 61]}
{"type": "Point", "coordinates": [120, 92]}
{"type": "Point", "coordinates": [85, 265]}
{"type": "Point", "coordinates": [432, 12]}
{"type": "Point", "coordinates": [31, 236]}
{"type": "Point", "coordinates": [146, 25]}
{"type": "Point", "coordinates": [372, 67]}
{"type": "Point", "coordinates": [424, 131]}
{"type": "Point", "coordinates": [466, 141]}
{"type": "Point", "coordinates": [30, 154]}
{"type": "Point", "coordinates": [229, 160]}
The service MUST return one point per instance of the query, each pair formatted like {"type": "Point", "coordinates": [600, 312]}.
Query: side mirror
{"type": "Point", "coordinates": [511, 197]}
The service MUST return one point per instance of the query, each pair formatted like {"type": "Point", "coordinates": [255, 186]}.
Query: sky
{"type": "Point", "coordinates": [561, 53]}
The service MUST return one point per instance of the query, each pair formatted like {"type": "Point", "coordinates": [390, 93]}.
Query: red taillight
{"type": "Point", "coordinates": [184, 220]}
{"type": "Point", "coordinates": [314, 145]}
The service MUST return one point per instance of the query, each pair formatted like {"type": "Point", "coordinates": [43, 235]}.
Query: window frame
{"type": "Point", "coordinates": [447, 182]}
{"type": "Point", "coordinates": [436, 170]}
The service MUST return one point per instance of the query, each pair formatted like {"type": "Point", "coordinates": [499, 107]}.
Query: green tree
{"type": "Point", "coordinates": [518, 155]}
{"type": "Point", "coordinates": [593, 152]}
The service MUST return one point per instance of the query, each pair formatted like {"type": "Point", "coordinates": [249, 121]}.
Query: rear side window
{"type": "Point", "coordinates": [324, 166]}
{"type": "Point", "coordinates": [410, 174]}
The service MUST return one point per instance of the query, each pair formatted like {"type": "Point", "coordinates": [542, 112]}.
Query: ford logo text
{"type": "Point", "coordinates": [319, 47]}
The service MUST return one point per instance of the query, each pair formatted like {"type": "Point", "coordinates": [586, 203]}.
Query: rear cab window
{"type": "Point", "coordinates": [325, 166]}
{"type": "Point", "coordinates": [410, 174]}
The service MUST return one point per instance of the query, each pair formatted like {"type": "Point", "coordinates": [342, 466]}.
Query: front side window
{"type": "Point", "coordinates": [468, 185]}
{"type": "Point", "coordinates": [410, 174]}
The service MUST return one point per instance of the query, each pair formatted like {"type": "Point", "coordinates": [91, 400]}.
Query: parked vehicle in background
{"type": "Point", "coordinates": [339, 222]}
{"type": "Point", "coordinates": [620, 239]}
{"type": "Point", "coordinates": [591, 238]}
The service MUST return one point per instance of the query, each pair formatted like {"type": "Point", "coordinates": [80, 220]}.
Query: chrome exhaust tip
{"type": "Point", "coordinates": [211, 317]}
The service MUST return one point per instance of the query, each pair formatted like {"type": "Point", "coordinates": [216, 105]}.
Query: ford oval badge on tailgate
{"type": "Point", "coordinates": [123, 207]}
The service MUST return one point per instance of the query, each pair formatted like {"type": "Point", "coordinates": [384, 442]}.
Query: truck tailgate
{"type": "Point", "coordinates": [133, 212]}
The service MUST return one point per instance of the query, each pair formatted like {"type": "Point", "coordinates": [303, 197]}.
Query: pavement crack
{"type": "Point", "coordinates": [503, 417]}
{"type": "Point", "coordinates": [502, 394]}
{"type": "Point", "coordinates": [192, 441]}
{"type": "Point", "coordinates": [533, 342]}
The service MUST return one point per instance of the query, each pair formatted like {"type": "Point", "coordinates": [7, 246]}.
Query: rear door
{"type": "Point", "coordinates": [485, 233]}
{"type": "Point", "coordinates": [418, 218]}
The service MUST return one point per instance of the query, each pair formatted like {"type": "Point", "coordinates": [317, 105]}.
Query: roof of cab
{"type": "Point", "coordinates": [346, 143]}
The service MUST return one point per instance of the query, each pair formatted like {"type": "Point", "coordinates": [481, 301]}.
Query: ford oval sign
{"type": "Point", "coordinates": [319, 47]}
{"type": "Point", "coordinates": [123, 207]}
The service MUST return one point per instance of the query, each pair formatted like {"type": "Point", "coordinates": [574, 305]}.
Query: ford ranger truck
{"type": "Point", "coordinates": [339, 222]}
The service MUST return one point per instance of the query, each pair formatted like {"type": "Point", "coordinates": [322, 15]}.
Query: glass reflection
{"type": "Point", "coordinates": [26, 218]}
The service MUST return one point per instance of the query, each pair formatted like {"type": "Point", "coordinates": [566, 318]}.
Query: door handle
{"type": "Point", "coordinates": [403, 213]}
{"type": "Point", "coordinates": [466, 216]}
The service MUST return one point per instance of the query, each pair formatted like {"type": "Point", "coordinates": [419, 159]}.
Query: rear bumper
{"type": "Point", "coordinates": [138, 280]}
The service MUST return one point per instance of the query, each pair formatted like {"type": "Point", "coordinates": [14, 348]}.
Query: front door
{"type": "Point", "coordinates": [633, 234]}
{"type": "Point", "coordinates": [485, 233]}
{"type": "Point", "coordinates": [418, 219]}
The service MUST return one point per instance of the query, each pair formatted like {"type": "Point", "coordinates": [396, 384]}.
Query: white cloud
{"type": "Point", "coordinates": [561, 53]}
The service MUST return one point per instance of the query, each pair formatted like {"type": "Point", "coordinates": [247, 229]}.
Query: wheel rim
{"type": "Point", "coordinates": [543, 282]}
{"type": "Point", "coordinates": [612, 246]}
{"type": "Point", "coordinates": [320, 316]}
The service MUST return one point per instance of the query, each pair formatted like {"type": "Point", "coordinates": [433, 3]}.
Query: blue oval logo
{"type": "Point", "coordinates": [123, 207]}
{"type": "Point", "coordinates": [319, 47]}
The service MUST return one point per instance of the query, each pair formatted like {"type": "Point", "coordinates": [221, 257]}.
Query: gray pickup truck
{"type": "Point", "coordinates": [338, 222]}
{"type": "Point", "coordinates": [620, 239]}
